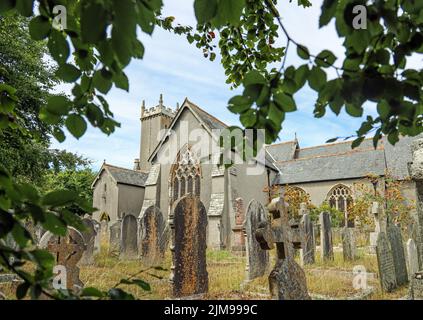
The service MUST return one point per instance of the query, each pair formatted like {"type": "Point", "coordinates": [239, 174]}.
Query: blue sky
{"type": "Point", "coordinates": [177, 69]}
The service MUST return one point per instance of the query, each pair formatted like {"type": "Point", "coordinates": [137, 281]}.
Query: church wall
{"type": "Point", "coordinates": [130, 199]}
{"type": "Point", "coordinates": [109, 203]}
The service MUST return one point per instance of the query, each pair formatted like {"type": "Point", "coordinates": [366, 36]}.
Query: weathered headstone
{"type": "Point", "coordinates": [97, 239]}
{"type": "Point", "coordinates": [395, 240]}
{"type": "Point", "coordinates": [68, 251]}
{"type": "Point", "coordinates": [377, 213]}
{"type": "Point", "coordinates": [114, 234]}
{"type": "Point", "coordinates": [257, 259]}
{"type": "Point", "coordinates": [415, 168]}
{"type": "Point", "coordinates": [152, 237]}
{"type": "Point", "coordinates": [287, 280]}
{"type": "Point", "coordinates": [326, 244]}
{"type": "Point", "coordinates": [385, 262]}
{"type": "Point", "coordinates": [416, 286]}
{"type": "Point", "coordinates": [239, 239]}
{"type": "Point", "coordinates": [412, 257]}
{"type": "Point", "coordinates": [128, 236]}
{"type": "Point", "coordinates": [349, 249]}
{"type": "Point", "coordinates": [189, 226]}
{"type": "Point", "coordinates": [308, 248]}
{"type": "Point", "coordinates": [89, 238]}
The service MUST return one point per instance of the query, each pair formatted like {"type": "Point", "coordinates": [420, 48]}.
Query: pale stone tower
{"type": "Point", "coordinates": [153, 123]}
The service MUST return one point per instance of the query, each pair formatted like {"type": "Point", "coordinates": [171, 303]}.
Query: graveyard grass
{"type": "Point", "coordinates": [226, 271]}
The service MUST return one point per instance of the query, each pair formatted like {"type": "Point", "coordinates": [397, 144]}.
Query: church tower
{"type": "Point", "coordinates": [153, 122]}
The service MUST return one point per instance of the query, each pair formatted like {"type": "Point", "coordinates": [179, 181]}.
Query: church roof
{"type": "Point", "coordinates": [336, 161]}
{"type": "Point", "coordinates": [123, 175]}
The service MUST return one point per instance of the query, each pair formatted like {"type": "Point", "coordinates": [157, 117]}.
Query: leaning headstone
{"type": "Point", "coordinates": [238, 229]}
{"type": "Point", "coordinates": [395, 239]}
{"type": "Point", "coordinates": [412, 255]}
{"type": "Point", "coordinates": [326, 245]}
{"type": "Point", "coordinates": [415, 168]}
{"type": "Point", "coordinates": [152, 231]}
{"type": "Point", "coordinates": [385, 263]}
{"type": "Point", "coordinates": [97, 239]}
{"type": "Point", "coordinates": [257, 259]}
{"type": "Point", "coordinates": [68, 251]}
{"type": "Point", "coordinates": [114, 234]}
{"type": "Point", "coordinates": [287, 280]}
{"type": "Point", "coordinates": [89, 235]}
{"type": "Point", "coordinates": [307, 251]}
{"type": "Point", "coordinates": [349, 249]}
{"type": "Point", "coordinates": [128, 236]}
{"type": "Point", "coordinates": [189, 225]}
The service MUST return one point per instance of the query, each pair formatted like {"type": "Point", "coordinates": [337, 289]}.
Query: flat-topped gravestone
{"type": "Point", "coordinates": [152, 237]}
{"type": "Point", "coordinates": [326, 245]}
{"type": "Point", "coordinates": [416, 286]}
{"type": "Point", "coordinates": [385, 262]}
{"type": "Point", "coordinates": [287, 280]}
{"type": "Point", "coordinates": [395, 240]}
{"type": "Point", "coordinates": [89, 235]}
{"type": "Point", "coordinates": [349, 249]}
{"type": "Point", "coordinates": [308, 249]}
{"type": "Point", "coordinates": [257, 259]}
{"type": "Point", "coordinates": [412, 258]}
{"type": "Point", "coordinates": [128, 236]}
{"type": "Point", "coordinates": [68, 251]}
{"type": "Point", "coordinates": [189, 225]}
{"type": "Point", "coordinates": [114, 237]}
{"type": "Point", "coordinates": [238, 229]}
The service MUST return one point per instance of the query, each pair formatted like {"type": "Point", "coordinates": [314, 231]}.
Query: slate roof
{"type": "Point", "coordinates": [283, 151]}
{"type": "Point", "coordinates": [337, 161]}
{"type": "Point", "coordinates": [124, 176]}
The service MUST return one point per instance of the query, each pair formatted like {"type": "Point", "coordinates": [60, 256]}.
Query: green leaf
{"type": "Point", "coordinates": [325, 59]}
{"type": "Point", "coordinates": [303, 52]}
{"type": "Point", "coordinates": [383, 109]}
{"type": "Point", "coordinates": [43, 258]}
{"type": "Point", "coordinates": [353, 111]}
{"type": "Point", "coordinates": [119, 294]}
{"type": "Point", "coordinates": [25, 7]}
{"type": "Point", "coordinates": [59, 198]}
{"type": "Point", "coordinates": [59, 134]}
{"type": "Point", "coordinates": [76, 125]}
{"type": "Point", "coordinates": [276, 114]}
{"type": "Point", "coordinates": [6, 5]}
{"type": "Point", "coordinates": [20, 235]}
{"type": "Point", "coordinates": [332, 140]}
{"type": "Point", "coordinates": [146, 18]}
{"type": "Point", "coordinates": [239, 104]}
{"type": "Point", "coordinates": [93, 22]}
{"type": "Point", "coordinates": [357, 142]}
{"type": "Point", "coordinates": [92, 292]}
{"type": "Point", "coordinates": [254, 77]}
{"type": "Point", "coordinates": [140, 283]}
{"type": "Point", "coordinates": [393, 137]}
{"type": "Point", "coordinates": [68, 72]}
{"type": "Point", "coordinates": [285, 102]}
{"type": "Point", "coordinates": [121, 81]}
{"type": "Point", "coordinates": [248, 119]}
{"type": "Point", "coordinates": [317, 78]}
{"type": "Point", "coordinates": [22, 290]}
{"type": "Point", "coordinates": [54, 224]}
{"type": "Point", "coordinates": [205, 10]}
{"type": "Point", "coordinates": [328, 12]}
{"type": "Point", "coordinates": [58, 46]}
{"type": "Point", "coordinates": [39, 28]}
{"type": "Point", "coordinates": [58, 105]}
{"type": "Point", "coordinates": [101, 83]}
{"type": "Point", "coordinates": [229, 11]}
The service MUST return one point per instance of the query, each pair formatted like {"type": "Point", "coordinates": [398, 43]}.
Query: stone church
{"type": "Point", "coordinates": [178, 153]}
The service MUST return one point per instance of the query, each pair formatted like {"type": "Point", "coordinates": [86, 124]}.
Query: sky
{"type": "Point", "coordinates": [176, 69]}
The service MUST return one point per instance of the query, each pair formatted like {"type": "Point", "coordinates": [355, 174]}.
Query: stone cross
{"type": "Point", "coordinates": [287, 280]}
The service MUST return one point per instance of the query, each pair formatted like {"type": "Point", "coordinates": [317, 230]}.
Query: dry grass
{"type": "Point", "coordinates": [226, 277]}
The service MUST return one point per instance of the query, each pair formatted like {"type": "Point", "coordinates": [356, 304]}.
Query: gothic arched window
{"type": "Point", "coordinates": [185, 175]}
{"type": "Point", "coordinates": [340, 198]}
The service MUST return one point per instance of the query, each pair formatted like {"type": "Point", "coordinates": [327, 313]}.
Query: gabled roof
{"type": "Point", "coordinates": [283, 151]}
{"type": "Point", "coordinates": [123, 175]}
{"type": "Point", "coordinates": [208, 121]}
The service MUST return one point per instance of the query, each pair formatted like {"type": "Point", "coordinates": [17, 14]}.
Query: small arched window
{"type": "Point", "coordinates": [340, 198]}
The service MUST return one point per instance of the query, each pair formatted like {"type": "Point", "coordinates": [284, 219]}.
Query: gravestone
{"type": "Point", "coordinates": [114, 237]}
{"type": "Point", "coordinates": [68, 251]}
{"type": "Point", "coordinates": [349, 249]}
{"type": "Point", "coordinates": [416, 286]}
{"type": "Point", "coordinates": [326, 245]}
{"type": "Point", "coordinates": [239, 238]}
{"type": "Point", "coordinates": [152, 237]}
{"type": "Point", "coordinates": [412, 258]}
{"type": "Point", "coordinates": [128, 237]}
{"type": "Point", "coordinates": [395, 240]}
{"type": "Point", "coordinates": [189, 227]}
{"type": "Point", "coordinates": [89, 235]}
{"type": "Point", "coordinates": [257, 259]}
{"type": "Point", "coordinates": [376, 212]}
{"type": "Point", "coordinates": [287, 280]}
{"type": "Point", "coordinates": [385, 262]}
{"type": "Point", "coordinates": [415, 168]}
{"type": "Point", "coordinates": [308, 246]}
{"type": "Point", "coordinates": [97, 238]}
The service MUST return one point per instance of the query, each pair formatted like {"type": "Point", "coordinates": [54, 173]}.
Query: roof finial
{"type": "Point", "coordinates": [161, 100]}
{"type": "Point", "coordinates": [295, 135]}
{"type": "Point", "coordinates": [177, 106]}
{"type": "Point", "coordinates": [142, 108]}
{"type": "Point", "coordinates": [104, 161]}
